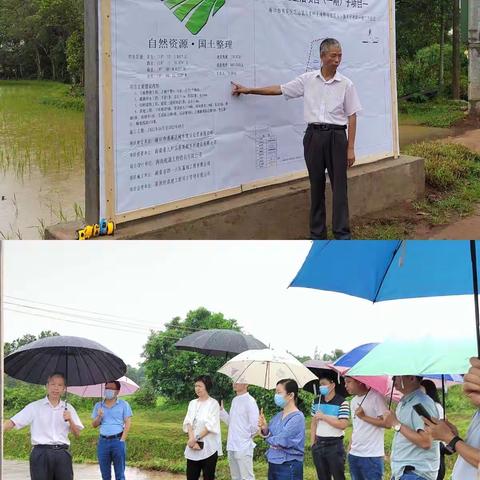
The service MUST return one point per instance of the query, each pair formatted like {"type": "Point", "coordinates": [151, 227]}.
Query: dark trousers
{"type": "Point", "coordinates": [208, 465]}
{"type": "Point", "coordinates": [292, 470]}
{"type": "Point", "coordinates": [50, 464]}
{"type": "Point", "coordinates": [327, 149]}
{"type": "Point", "coordinates": [441, 470]}
{"type": "Point", "coordinates": [329, 458]}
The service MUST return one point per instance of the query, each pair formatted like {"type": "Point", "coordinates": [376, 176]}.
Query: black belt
{"type": "Point", "coordinates": [326, 126]}
{"type": "Point", "coordinates": [110, 437]}
{"type": "Point", "coordinates": [60, 446]}
{"type": "Point", "coordinates": [328, 440]}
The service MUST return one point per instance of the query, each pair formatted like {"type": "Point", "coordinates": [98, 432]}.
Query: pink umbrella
{"type": "Point", "coordinates": [382, 383]}
{"type": "Point", "coordinates": [127, 387]}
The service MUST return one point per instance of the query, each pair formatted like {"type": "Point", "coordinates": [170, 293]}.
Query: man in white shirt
{"type": "Point", "coordinates": [50, 423]}
{"type": "Point", "coordinates": [468, 461]}
{"type": "Point", "coordinates": [330, 103]}
{"type": "Point", "coordinates": [366, 452]}
{"type": "Point", "coordinates": [242, 424]}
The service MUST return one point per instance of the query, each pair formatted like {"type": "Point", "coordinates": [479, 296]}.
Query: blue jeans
{"type": "Point", "coordinates": [111, 451]}
{"type": "Point", "coordinates": [365, 468]}
{"type": "Point", "coordinates": [410, 476]}
{"type": "Point", "coordinates": [292, 470]}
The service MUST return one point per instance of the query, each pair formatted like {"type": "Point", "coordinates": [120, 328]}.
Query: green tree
{"type": "Point", "coordinates": [171, 372]}
{"type": "Point", "coordinates": [333, 355]}
{"type": "Point", "coordinates": [136, 374]}
{"type": "Point", "coordinates": [10, 347]}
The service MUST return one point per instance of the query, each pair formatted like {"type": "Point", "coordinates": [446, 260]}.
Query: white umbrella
{"type": "Point", "coordinates": [127, 387]}
{"type": "Point", "coordinates": [265, 368]}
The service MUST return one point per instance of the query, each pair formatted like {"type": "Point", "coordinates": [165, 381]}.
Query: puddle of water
{"type": "Point", "coordinates": [418, 133]}
{"type": "Point", "coordinates": [19, 470]}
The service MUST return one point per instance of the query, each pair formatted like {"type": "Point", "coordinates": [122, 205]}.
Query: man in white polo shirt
{"type": "Point", "coordinates": [330, 104]}
{"type": "Point", "coordinates": [242, 424]}
{"type": "Point", "coordinates": [50, 423]}
{"type": "Point", "coordinates": [366, 452]}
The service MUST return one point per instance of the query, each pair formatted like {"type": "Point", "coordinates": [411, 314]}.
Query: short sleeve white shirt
{"type": "Point", "coordinates": [324, 101]}
{"type": "Point", "coordinates": [367, 439]}
{"type": "Point", "coordinates": [47, 426]}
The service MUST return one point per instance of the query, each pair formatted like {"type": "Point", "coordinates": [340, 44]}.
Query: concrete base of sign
{"type": "Point", "coordinates": [275, 212]}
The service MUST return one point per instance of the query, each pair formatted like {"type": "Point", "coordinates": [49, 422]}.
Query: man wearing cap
{"type": "Point", "coordinates": [113, 416]}
{"type": "Point", "coordinates": [50, 420]}
{"type": "Point", "coordinates": [330, 104]}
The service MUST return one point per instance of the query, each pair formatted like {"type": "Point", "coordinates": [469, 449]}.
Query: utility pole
{"type": "Point", "coordinates": [474, 57]}
{"type": "Point", "coordinates": [456, 50]}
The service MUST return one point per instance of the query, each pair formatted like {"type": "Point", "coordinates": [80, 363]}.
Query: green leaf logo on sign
{"type": "Point", "coordinates": [195, 12]}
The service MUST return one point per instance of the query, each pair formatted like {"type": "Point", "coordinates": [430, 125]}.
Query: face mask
{"type": "Point", "coordinates": [110, 394]}
{"type": "Point", "coordinates": [324, 390]}
{"type": "Point", "coordinates": [280, 400]}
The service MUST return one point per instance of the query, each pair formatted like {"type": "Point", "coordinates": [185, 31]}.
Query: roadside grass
{"type": "Point", "coordinates": [452, 184]}
{"type": "Point", "coordinates": [438, 113]}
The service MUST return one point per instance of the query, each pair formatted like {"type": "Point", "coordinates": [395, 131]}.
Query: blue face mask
{"type": "Point", "coordinates": [324, 390]}
{"type": "Point", "coordinates": [280, 400]}
{"type": "Point", "coordinates": [110, 394]}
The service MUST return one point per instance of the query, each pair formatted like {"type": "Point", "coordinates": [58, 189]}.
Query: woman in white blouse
{"type": "Point", "coordinates": [202, 423]}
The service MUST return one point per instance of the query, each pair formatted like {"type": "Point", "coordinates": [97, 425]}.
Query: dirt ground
{"type": "Point", "coordinates": [468, 134]}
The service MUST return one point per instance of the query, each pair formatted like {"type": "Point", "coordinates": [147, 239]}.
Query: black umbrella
{"type": "Point", "coordinates": [219, 342]}
{"type": "Point", "coordinates": [322, 369]}
{"type": "Point", "coordinates": [81, 361]}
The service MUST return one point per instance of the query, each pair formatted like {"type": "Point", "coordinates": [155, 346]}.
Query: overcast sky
{"type": "Point", "coordinates": [142, 285]}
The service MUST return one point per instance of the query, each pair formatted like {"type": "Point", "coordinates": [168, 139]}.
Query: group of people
{"type": "Point", "coordinates": [419, 442]}
{"type": "Point", "coordinates": [51, 420]}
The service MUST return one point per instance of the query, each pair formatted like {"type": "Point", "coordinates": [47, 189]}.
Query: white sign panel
{"type": "Point", "coordinates": [178, 132]}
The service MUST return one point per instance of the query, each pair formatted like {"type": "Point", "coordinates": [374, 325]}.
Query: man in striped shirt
{"type": "Point", "coordinates": [330, 418]}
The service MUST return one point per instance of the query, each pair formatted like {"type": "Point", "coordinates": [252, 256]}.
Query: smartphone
{"type": "Point", "coordinates": [200, 444]}
{"type": "Point", "coordinates": [420, 409]}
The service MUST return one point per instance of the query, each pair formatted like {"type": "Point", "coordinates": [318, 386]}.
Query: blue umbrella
{"type": "Point", "coordinates": [379, 270]}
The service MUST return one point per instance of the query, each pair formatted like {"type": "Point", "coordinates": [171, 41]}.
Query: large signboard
{"type": "Point", "coordinates": [172, 134]}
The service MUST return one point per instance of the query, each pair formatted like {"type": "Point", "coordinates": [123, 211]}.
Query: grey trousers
{"type": "Point", "coordinates": [241, 465]}
{"type": "Point", "coordinates": [327, 149]}
{"type": "Point", "coordinates": [50, 464]}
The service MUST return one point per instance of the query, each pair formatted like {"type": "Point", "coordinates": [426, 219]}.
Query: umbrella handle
{"type": "Point", "coordinates": [66, 378]}
{"type": "Point", "coordinates": [391, 393]}
{"type": "Point", "coordinates": [368, 391]}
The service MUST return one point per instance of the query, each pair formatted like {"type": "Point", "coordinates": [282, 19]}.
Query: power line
{"type": "Point", "coordinates": [129, 321]}
{"type": "Point", "coordinates": [94, 323]}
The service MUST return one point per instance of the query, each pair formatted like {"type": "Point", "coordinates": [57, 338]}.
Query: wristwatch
{"type": "Point", "coordinates": [397, 427]}
{"type": "Point", "coordinates": [198, 438]}
{"type": "Point", "coordinates": [453, 442]}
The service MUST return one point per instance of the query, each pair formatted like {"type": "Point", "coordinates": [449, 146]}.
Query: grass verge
{"type": "Point", "coordinates": [452, 183]}
{"type": "Point", "coordinates": [439, 113]}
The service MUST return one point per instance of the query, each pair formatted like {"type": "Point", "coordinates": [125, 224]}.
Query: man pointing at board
{"type": "Point", "coordinates": [330, 105]}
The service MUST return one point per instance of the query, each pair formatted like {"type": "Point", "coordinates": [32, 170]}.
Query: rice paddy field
{"type": "Point", "coordinates": [41, 157]}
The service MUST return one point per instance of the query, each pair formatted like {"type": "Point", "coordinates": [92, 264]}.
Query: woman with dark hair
{"type": "Point", "coordinates": [202, 423]}
{"type": "Point", "coordinates": [430, 389]}
{"type": "Point", "coordinates": [285, 434]}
